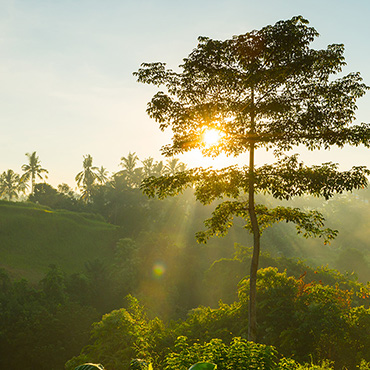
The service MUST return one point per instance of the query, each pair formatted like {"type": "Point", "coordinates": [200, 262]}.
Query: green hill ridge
{"type": "Point", "coordinates": [33, 237]}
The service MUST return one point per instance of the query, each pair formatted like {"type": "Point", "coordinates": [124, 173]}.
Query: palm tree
{"type": "Point", "coordinates": [102, 175]}
{"type": "Point", "coordinates": [129, 163]}
{"type": "Point", "coordinates": [151, 168]}
{"type": "Point", "coordinates": [158, 168]}
{"type": "Point", "coordinates": [23, 186]}
{"type": "Point", "coordinates": [148, 167]}
{"type": "Point", "coordinates": [33, 169]}
{"type": "Point", "coordinates": [10, 185]}
{"type": "Point", "coordinates": [86, 178]}
{"type": "Point", "coordinates": [173, 166]}
{"type": "Point", "coordinates": [132, 175]}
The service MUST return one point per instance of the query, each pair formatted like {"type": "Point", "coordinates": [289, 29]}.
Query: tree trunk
{"type": "Point", "coordinates": [252, 318]}
{"type": "Point", "coordinates": [32, 183]}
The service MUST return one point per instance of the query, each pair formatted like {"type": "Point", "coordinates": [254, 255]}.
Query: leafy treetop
{"type": "Point", "coordinates": [271, 75]}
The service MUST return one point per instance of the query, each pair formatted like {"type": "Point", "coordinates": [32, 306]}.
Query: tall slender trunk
{"type": "Point", "coordinates": [252, 322]}
{"type": "Point", "coordinates": [33, 181]}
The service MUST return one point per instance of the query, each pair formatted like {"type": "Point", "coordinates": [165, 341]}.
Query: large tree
{"type": "Point", "coordinates": [264, 89]}
{"type": "Point", "coordinates": [33, 169]}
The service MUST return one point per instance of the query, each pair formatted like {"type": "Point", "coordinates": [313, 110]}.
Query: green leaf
{"type": "Point", "coordinates": [203, 366]}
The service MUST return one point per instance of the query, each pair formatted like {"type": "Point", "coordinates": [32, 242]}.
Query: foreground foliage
{"type": "Point", "coordinates": [40, 328]}
{"type": "Point", "coordinates": [305, 321]}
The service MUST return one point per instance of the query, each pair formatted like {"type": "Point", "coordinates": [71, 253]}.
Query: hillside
{"type": "Point", "coordinates": [33, 237]}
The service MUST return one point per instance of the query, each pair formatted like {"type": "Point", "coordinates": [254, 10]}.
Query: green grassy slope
{"type": "Point", "coordinates": [32, 237]}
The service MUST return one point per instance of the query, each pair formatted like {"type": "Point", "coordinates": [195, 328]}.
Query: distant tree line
{"type": "Point", "coordinates": [12, 184]}
{"type": "Point", "coordinates": [130, 176]}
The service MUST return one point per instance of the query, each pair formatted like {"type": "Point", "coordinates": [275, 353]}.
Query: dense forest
{"type": "Point", "coordinates": [140, 286]}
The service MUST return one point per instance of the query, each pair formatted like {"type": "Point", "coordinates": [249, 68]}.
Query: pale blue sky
{"type": "Point", "coordinates": [66, 84]}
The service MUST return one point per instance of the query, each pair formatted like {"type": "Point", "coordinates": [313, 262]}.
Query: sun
{"type": "Point", "coordinates": [211, 137]}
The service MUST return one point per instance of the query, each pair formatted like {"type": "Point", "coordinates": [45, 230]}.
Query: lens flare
{"type": "Point", "coordinates": [158, 270]}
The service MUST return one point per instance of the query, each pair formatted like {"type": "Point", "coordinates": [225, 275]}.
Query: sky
{"type": "Point", "coordinates": [66, 83]}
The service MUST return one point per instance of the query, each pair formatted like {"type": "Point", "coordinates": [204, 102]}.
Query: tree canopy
{"type": "Point", "coordinates": [271, 74]}
{"type": "Point", "coordinates": [11, 184]}
{"type": "Point", "coordinates": [86, 178]}
{"type": "Point", "coordinates": [33, 170]}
